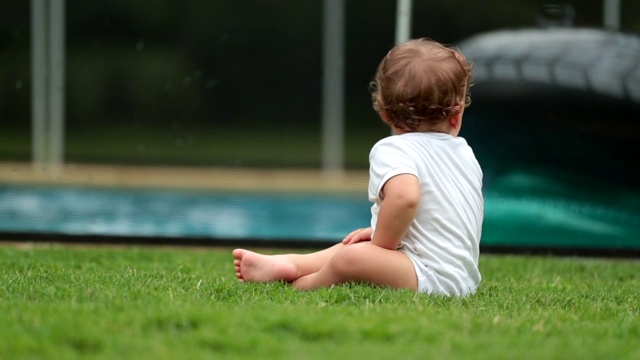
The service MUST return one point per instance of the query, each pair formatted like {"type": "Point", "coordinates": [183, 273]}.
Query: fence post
{"type": "Point", "coordinates": [333, 86]}
{"type": "Point", "coordinates": [403, 21]}
{"type": "Point", "coordinates": [611, 14]}
{"type": "Point", "coordinates": [48, 84]}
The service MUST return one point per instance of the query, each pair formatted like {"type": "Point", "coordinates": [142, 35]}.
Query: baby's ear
{"type": "Point", "coordinates": [455, 120]}
{"type": "Point", "coordinates": [384, 117]}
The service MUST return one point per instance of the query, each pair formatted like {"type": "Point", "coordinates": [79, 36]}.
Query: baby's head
{"type": "Point", "coordinates": [421, 81]}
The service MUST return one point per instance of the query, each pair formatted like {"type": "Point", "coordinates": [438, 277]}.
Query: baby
{"type": "Point", "coordinates": [425, 185]}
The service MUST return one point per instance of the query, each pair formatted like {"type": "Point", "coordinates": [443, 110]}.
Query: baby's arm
{"type": "Point", "coordinates": [400, 200]}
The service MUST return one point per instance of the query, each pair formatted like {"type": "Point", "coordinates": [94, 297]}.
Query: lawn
{"type": "Point", "coordinates": [165, 303]}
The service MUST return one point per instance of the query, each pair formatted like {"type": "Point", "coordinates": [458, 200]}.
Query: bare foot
{"type": "Point", "coordinates": [251, 266]}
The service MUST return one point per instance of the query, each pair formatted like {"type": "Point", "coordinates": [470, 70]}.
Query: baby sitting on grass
{"type": "Point", "coordinates": [425, 185]}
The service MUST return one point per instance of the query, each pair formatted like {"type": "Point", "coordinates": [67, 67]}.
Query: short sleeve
{"type": "Point", "coordinates": [388, 158]}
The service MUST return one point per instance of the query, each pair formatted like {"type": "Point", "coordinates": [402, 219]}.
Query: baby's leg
{"type": "Point", "coordinates": [253, 266]}
{"type": "Point", "coordinates": [363, 262]}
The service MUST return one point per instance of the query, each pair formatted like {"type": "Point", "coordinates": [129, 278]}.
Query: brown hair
{"type": "Point", "coordinates": [421, 81]}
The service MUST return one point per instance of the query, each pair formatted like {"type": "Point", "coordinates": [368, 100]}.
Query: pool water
{"type": "Point", "coordinates": [521, 210]}
{"type": "Point", "coordinates": [162, 213]}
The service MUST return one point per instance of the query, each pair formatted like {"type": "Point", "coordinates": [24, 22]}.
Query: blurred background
{"type": "Point", "coordinates": [239, 85]}
{"type": "Point", "coordinates": [215, 83]}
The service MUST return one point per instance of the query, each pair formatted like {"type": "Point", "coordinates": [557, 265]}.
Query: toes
{"type": "Point", "coordinates": [238, 253]}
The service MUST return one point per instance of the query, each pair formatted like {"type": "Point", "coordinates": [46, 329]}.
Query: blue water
{"type": "Point", "coordinates": [161, 213]}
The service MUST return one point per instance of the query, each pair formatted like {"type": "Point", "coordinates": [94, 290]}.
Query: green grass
{"type": "Point", "coordinates": [166, 303]}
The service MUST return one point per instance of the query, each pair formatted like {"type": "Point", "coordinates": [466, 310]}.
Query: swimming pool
{"type": "Point", "coordinates": [164, 213]}
{"type": "Point", "coordinates": [521, 211]}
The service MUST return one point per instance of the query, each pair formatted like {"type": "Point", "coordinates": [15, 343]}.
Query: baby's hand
{"type": "Point", "coordinates": [358, 235]}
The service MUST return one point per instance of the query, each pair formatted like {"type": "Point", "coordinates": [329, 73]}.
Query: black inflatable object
{"type": "Point", "coordinates": [604, 63]}
{"type": "Point", "coordinates": [567, 98]}
{"type": "Point", "coordinates": [555, 119]}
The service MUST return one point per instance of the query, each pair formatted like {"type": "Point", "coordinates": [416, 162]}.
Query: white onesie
{"type": "Point", "coordinates": [443, 240]}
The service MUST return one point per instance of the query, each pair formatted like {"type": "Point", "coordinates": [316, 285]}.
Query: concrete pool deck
{"type": "Point", "coordinates": [199, 178]}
